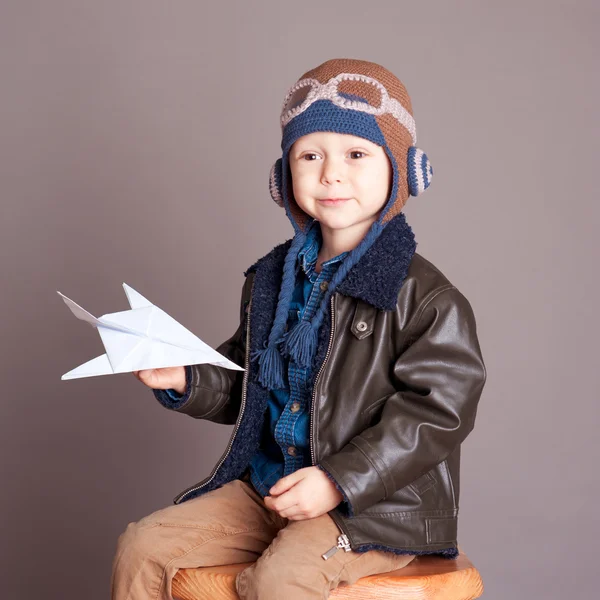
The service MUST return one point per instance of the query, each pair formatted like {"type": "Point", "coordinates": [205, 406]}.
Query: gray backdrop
{"type": "Point", "coordinates": [136, 142]}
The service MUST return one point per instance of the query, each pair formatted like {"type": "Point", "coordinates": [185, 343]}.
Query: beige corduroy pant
{"type": "Point", "coordinates": [232, 525]}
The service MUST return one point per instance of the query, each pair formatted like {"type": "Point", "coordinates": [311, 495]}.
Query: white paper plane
{"type": "Point", "coordinates": [144, 337]}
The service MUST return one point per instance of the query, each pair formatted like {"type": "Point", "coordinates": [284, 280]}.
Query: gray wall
{"type": "Point", "coordinates": [136, 141]}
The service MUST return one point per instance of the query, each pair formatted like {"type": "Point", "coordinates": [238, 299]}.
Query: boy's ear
{"type": "Point", "coordinates": [275, 179]}
{"type": "Point", "coordinates": [419, 171]}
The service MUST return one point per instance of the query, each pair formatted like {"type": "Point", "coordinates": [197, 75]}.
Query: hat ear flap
{"type": "Point", "coordinates": [420, 171]}
{"type": "Point", "coordinates": [275, 179]}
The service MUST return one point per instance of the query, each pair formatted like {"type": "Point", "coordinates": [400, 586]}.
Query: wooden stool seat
{"type": "Point", "coordinates": [425, 578]}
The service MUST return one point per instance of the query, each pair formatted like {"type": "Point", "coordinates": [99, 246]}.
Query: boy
{"type": "Point", "coordinates": [363, 372]}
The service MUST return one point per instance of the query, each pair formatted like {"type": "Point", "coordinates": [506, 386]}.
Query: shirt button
{"type": "Point", "coordinates": [295, 407]}
{"type": "Point", "coordinates": [324, 285]}
{"type": "Point", "coordinates": [292, 451]}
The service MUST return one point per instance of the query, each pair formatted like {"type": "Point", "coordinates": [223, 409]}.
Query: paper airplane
{"type": "Point", "coordinates": [144, 337]}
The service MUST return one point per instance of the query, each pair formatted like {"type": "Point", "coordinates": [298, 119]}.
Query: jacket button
{"type": "Point", "coordinates": [324, 285]}
{"type": "Point", "coordinates": [361, 326]}
{"type": "Point", "coordinates": [295, 407]}
{"type": "Point", "coordinates": [292, 451]}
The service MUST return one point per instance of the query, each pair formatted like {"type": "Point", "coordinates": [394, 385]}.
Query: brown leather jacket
{"type": "Point", "coordinates": [394, 396]}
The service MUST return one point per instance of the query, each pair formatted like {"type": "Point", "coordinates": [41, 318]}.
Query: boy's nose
{"type": "Point", "coordinates": [331, 173]}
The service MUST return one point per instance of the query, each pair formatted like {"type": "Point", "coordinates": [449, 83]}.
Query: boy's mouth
{"type": "Point", "coordinates": [333, 201]}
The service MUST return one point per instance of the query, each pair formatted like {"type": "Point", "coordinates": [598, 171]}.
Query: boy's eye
{"type": "Point", "coordinates": [351, 153]}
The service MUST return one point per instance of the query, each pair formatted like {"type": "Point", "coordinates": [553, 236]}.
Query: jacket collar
{"type": "Point", "coordinates": [376, 278]}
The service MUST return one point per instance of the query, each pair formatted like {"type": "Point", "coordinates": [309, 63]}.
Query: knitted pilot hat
{"type": "Point", "coordinates": [349, 96]}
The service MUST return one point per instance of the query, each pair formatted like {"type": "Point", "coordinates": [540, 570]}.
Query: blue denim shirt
{"type": "Point", "coordinates": [284, 446]}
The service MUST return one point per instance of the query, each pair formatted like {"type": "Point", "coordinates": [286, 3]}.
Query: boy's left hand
{"type": "Point", "coordinates": [304, 494]}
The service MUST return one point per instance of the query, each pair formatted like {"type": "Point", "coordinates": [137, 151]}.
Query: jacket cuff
{"type": "Point", "coordinates": [345, 505]}
{"type": "Point", "coordinates": [361, 487]}
{"type": "Point", "coordinates": [172, 399]}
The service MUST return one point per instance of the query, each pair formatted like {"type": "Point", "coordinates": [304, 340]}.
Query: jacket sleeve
{"type": "Point", "coordinates": [214, 393]}
{"type": "Point", "coordinates": [438, 378]}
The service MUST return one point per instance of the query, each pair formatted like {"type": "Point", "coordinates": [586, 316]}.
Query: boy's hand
{"type": "Point", "coordinates": [304, 494]}
{"type": "Point", "coordinates": [163, 379]}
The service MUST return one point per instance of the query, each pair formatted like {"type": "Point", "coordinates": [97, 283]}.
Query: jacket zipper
{"type": "Point", "coordinates": [342, 543]}
{"type": "Point", "coordinates": [185, 493]}
{"type": "Point", "coordinates": [312, 425]}
{"type": "Point", "coordinates": [344, 538]}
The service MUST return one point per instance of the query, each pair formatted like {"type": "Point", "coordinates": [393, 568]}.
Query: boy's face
{"type": "Point", "coordinates": [328, 165]}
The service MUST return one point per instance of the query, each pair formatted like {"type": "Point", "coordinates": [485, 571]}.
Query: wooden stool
{"type": "Point", "coordinates": [425, 578]}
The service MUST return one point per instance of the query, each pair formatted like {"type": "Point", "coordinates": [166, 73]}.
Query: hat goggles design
{"type": "Point", "coordinates": [307, 91]}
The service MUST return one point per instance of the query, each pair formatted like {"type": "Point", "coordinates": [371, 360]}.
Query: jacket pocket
{"type": "Point", "coordinates": [363, 321]}
{"type": "Point", "coordinates": [423, 483]}
{"type": "Point", "coordinates": [367, 414]}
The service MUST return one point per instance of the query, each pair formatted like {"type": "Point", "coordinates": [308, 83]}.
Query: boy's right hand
{"type": "Point", "coordinates": [163, 379]}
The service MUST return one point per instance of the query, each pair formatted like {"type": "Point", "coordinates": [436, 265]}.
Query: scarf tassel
{"type": "Point", "coordinates": [301, 344]}
{"type": "Point", "coordinates": [271, 367]}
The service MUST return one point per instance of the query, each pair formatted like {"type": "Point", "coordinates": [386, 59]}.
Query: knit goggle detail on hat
{"type": "Point", "coordinates": [307, 91]}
